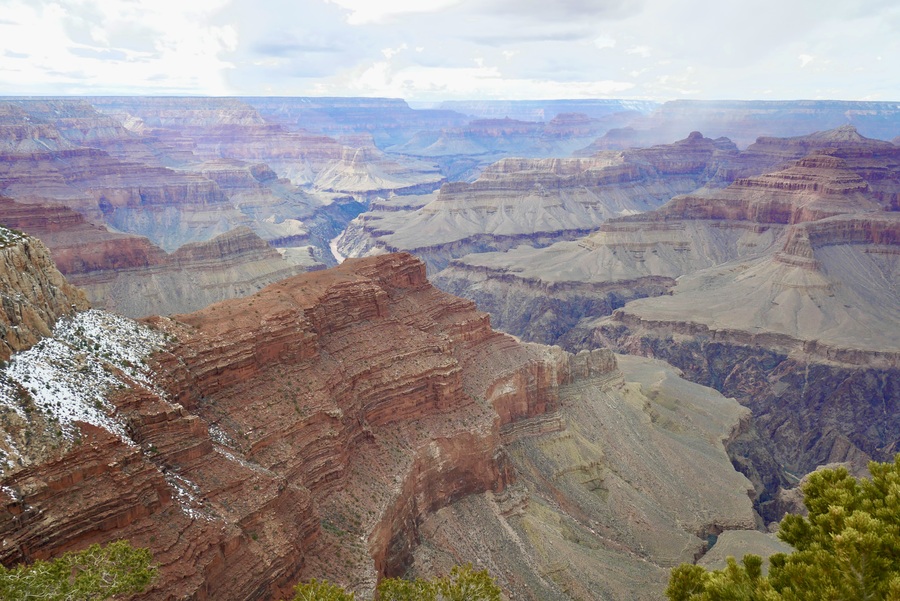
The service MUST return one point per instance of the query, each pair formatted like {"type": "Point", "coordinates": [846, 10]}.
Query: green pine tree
{"type": "Point", "coordinates": [847, 549]}
{"type": "Point", "coordinates": [94, 574]}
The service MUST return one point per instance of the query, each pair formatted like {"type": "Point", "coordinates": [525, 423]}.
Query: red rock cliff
{"type": "Point", "coordinates": [306, 430]}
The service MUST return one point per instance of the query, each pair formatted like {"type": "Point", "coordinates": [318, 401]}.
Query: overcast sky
{"type": "Point", "coordinates": [425, 50]}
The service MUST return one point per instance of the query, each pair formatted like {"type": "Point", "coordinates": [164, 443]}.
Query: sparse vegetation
{"type": "Point", "coordinates": [91, 575]}
{"type": "Point", "coordinates": [9, 236]}
{"type": "Point", "coordinates": [848, 549]}
{"type": "Point", "coordinates": [464, 583]}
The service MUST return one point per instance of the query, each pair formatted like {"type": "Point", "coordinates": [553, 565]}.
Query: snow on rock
{"type": "Point", "coordinates": [69, 376]}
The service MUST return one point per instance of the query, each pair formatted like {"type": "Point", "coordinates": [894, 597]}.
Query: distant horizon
{"type": "Point", "coordinates": [440, 50]}
{"type": "Point", "coordinates": [422, 103]}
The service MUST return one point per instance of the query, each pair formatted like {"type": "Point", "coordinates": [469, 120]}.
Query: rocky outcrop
{"type": "Point", "coordinates": [547, 110]}
{"type": "Point", "coordinates": [794, 272]}
{"type": "Point", "coordinates": [321, 426]}
{"type": "Point", "coordinates": [366, 172]}
{"type": "Point", "coordinates": [184, 170]}
{"type": "Point", "coordinates": [594, 487]}
{"type": "Point", "coordinates": [536, 201]}
{"type": "Point", "coordinates": [33, 294]}
{"type": "Point", "coordinates": [233, 265]}
{"type": "Point", "coordinates": [389, 121]}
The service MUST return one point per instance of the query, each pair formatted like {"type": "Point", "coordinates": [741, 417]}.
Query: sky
{"type": "Point", "coordinates": [432, 50]}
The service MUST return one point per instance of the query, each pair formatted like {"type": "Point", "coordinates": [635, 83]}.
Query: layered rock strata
{"type": "Point", "coordinates": [795, 278]}
{"type": "Point", "coordinates": [536, 202]}
{"type": "Point", "coordinates": [744, 120]}
{"type": "Point", "coordinates": [129, 275]}
{"type": "Point", "coordinates": [319, 427]}
{"type": "Point", "coordinates": [33, 294]}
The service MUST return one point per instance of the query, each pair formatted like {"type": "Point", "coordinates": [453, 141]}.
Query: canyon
{"type": "Point", "coordinates": [327, 424]}
{"type": "Point", "coordinates": [534, 201]}
{"type": "Point", "coordinates": [564, 347]}
{"type": "Point", "coordinates": [796, 274]}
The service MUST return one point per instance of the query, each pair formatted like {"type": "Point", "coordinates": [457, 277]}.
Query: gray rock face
{"type": "Point", "coordinates": [536, 201]}
{"type": "Point", "coordinates": [780, 290]}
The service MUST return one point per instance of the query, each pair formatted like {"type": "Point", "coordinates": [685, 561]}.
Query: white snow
{"type": "Point", "coordinates": [70, 375]}
{"type": "Point", "coordinates": [9, 237]}
{"type": "Point", "coordinates": [187, 493]}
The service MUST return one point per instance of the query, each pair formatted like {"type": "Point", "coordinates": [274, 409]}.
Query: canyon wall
{"type": "Point", "coordinates": [779, 290]}
{"type": "Point", "coordinates": [536, 201]}
{"type": "Point", "coordinates": [33, 293]}
{"type": "Point", "coordinates": [318, 428]}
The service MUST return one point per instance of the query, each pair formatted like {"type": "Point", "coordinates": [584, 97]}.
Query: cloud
{"type": "Point", "coordinates": [520, 37]}
{"type": "Point", "coordinates": [529, 48]}
{"type": "Point", "coordinates": [388, 53]}
{"type": "Point", "coordinates": [563, 10]}
{"type": "Point", "coordinates": [643, 51]}
{"type": "Point", "coordinates": [604, 41]}
{"type": "Point", "coordinates": [481, 81]}
{"type": "Point", "coordinates": [99, 53]}
{"type": "Point", "coordinates": [370, 11]}
{"type": "Point", "coordinates": [289, 48]}
{"type": "Point", "coordinates": [108, 46]}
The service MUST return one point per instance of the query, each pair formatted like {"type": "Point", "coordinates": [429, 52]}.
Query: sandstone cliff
{"type": "Point", "coordinates": [33, 293]}
{"type": "Point", "coordinates": [319, 427]}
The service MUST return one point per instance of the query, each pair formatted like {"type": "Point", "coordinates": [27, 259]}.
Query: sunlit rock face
{"type": "Point", "coordinates": [34, 294]}
{"type": "Point", "coordinates": [779, 289]}
{"type": "Point", "coordinates": [327, 425]}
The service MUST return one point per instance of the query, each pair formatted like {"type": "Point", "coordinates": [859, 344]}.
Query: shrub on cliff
{"type": "Point", "coordinates": [94, 574]}
{"type": "Point", "coordinates": [463, 584]}
{"type": "Point", "coordinates": [848, 548]}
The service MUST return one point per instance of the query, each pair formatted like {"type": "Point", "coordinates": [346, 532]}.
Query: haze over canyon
{"type": "Point", "coordinates": [574, 342]}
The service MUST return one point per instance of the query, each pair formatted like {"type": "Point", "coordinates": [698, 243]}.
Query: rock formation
{"type": "Point", "coordinates": [536, 201]}
{"type": "Point", "coordinates": [743, 121]}
{"type": "Point", "coordinates": [112, 193]}
{"type": "Point", "coordinates": [34, 295]}
{"type": "Point", "coordinates": [365, 171]}
{"type": "Point", "coordinates": [131, 276]}
{"type": "Point", "coordinates": [389, 121]}
{"type": "Point", "coordinates": [779, 290]}
{"type": "Point", "coordinates": [329, 423]}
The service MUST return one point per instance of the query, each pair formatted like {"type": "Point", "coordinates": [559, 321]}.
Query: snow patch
{"type": "Point", "coordinates": [187, 494]}
{"type": "Point", "coordinates": [69, 376]}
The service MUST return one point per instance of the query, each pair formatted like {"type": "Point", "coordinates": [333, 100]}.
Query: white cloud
{"type": "Point", "coordinates": [378, 11]}
{"type": "Point", "coordinates": [421, 49]}
{"type": "Point", "coordinates": [435, 83]}
{"type": "Point", "coordinates": [390, 52]}
{"type": "Point", "coordinates": [176, 50]}
{"type": "Point", "coordinates": [643, 51]}
{"type": "Point", "coordinates": [604, 41]}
